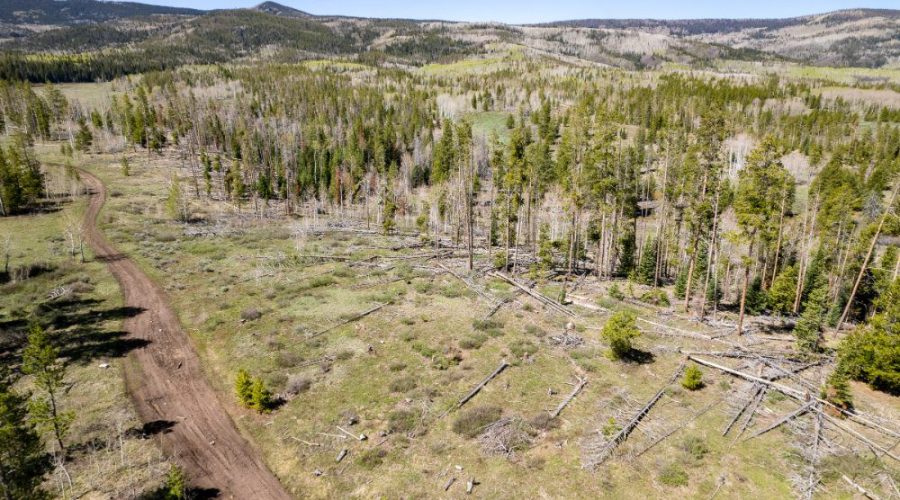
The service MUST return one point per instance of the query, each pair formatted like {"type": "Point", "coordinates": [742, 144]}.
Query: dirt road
{"type": "Point", "coordinates": [167, 383]}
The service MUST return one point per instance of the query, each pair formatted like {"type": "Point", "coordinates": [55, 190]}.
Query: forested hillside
{"type": "Point", "coordinates": [105, 40]}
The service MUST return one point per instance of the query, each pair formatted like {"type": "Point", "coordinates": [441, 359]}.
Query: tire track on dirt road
{"type": "Point", "coordinates": [168, 386]}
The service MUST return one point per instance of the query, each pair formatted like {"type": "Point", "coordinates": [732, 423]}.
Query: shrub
{"type": "Point", "coordinates": [250, 314]}
{"type": "Point", "coordinates": [297, 384]}
{"type": "Point", "coordinates": [695, 447]}
{"type": "Point", "coordinates": [693, 378]}
{"type": "Point", "coordinates": [402, 421]}
{"type": "Point", "coordinates": [656, 297]}
{"type": "Point", "coordinates": [543, 422]}
{"type": "Point", "coordinates": [618, 332]}
{"type": "Point", "coordinates": [473, 341]}
{"type": "Point", "coordinates": [673, 475]}
{"type": "Point", "coordinates": [373, 457]}
{"type": "Point", "coordinates": [403, 384]}
{"type": "Point", "coordinates": [520, 348]}
{"type": "Point", "coordinates": [616, 292]}
{"type": "Point", "coordinates": [487, 324]}
{"type": "Point", "coordinates": [287, 359]}
{"type": "Point", "coordinates": [472, 422]}
{"type": "Point", "coordinates": [535, 330]}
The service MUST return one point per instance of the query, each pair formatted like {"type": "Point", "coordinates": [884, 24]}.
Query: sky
{"type": "Point", "coordinates": [534, 11]}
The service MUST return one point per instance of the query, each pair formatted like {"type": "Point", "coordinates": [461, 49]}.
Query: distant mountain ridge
{"type": "Point", "coordinates": [138, 37]}
{"type": "Point", "coordinates": [718, 25]}
{"type": "Point", "coordinates": [64, 12]}
{"type": "Point", "coordinates": [276, 9]}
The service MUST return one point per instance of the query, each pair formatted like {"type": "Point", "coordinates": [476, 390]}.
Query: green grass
{"type": "Point", "coordinates": [86, 324]}
{"type": "Point", "coordinates": [488, 123]}
{"type": "Point", "coordinates": [404, 366]}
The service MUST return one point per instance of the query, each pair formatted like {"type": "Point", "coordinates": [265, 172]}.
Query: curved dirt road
{"type": "Point", "coordinates": [168, 387]}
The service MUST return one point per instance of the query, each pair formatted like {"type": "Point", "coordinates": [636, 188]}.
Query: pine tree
{"type": "Point", "coordinates": [693, 378]}
{"type": "Point", "coordinates": [545, 248]}
{"type": "Point", "coordinates": [783, 291]}
{"type": "Point", "coordinates": [618, 332]}
{"type": "Point", "coordinates": [261, 398]}
{"type": "Point", "coordinates": [389, 212]}
{"type": "Point", "coordinates": [243, 387]}
{"type": "Point", "coordinates": [646, 270]}
{"type": "Point", "coordinates": [23, 462]}
{"type": "Point", "coordinates": [763, 180]}
{"type": "Point", "coordinates": [41, 359]}
{"type": "Point", "coordinates": [871, 353]}
{"type": "Point", "coordinates": [83, 137]}
{"type": "Point", "coordinates": [176, 484]}
{"type": "Point", "coordinates": [837, 390]}
{"type": "Point", "coordinates": [809, 327]}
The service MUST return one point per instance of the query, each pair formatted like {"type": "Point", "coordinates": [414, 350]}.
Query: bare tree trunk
{"type": "Point", "coordinates": [778, 242]}
{"type": "Point", "coordinates": [711, 253]}
{"type": "Point", "coordinates": [740, 325]}
{"type": "Point", "coordinates": [687, 288]}
{"type": "Point", "coordinates": [865, 263]}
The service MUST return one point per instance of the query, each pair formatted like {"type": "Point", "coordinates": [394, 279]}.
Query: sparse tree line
{"type": "Point", "coordinates": [624, 181]}
{"type": "Point", "coordinates": [595, 173]}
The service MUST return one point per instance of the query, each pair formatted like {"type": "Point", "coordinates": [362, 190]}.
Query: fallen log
{"type": "Point", "coordinates": [628, 428]}
{"type": "Point", "coordinates": [780, 388]}
{"type": "Point", "coordinates": [757, 388]}
{"type": "Point", "coordinates": [578, 387]}
{"type": "Point", "coordinates": [796, 394]}
{"type": "Point", "coordinates": [354, 318]}
{"type": "Point", "coordinates": [470, 286]}
{"type": "Point", "coordinates": [787, 418]}
{"type": "Point", "coordinates": [752, 411]}
{"type": "Point", "coordinates": [535, 295]}
{"type": "Point", "coordinates": [677, 428]}
{"type": "Point", "coordinates": [874, 446]}
{"type": "Point", "coordinates": [343, 453]}
{"type": "Point", "coordinates": [864, 492]}
{"type": "Point", "coordinates": [496, 308]}
{"type": "Point", "coordinates": [480, 386]}
{"type": "Point", "coordinates": [449, 483]}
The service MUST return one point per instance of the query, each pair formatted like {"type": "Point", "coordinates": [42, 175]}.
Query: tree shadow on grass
{"type": "Point", "coordinates": [162, 493]}
{"type": "Point", "coordinates": [150, 429]}
{"type": "Point", "coordinates": [78, 330]}
{"type": "Point", "coordinates": [638, 356]}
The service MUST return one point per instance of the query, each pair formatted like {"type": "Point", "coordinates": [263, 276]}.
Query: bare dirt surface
{"type": "Point", "coordinates": [168, 387]}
